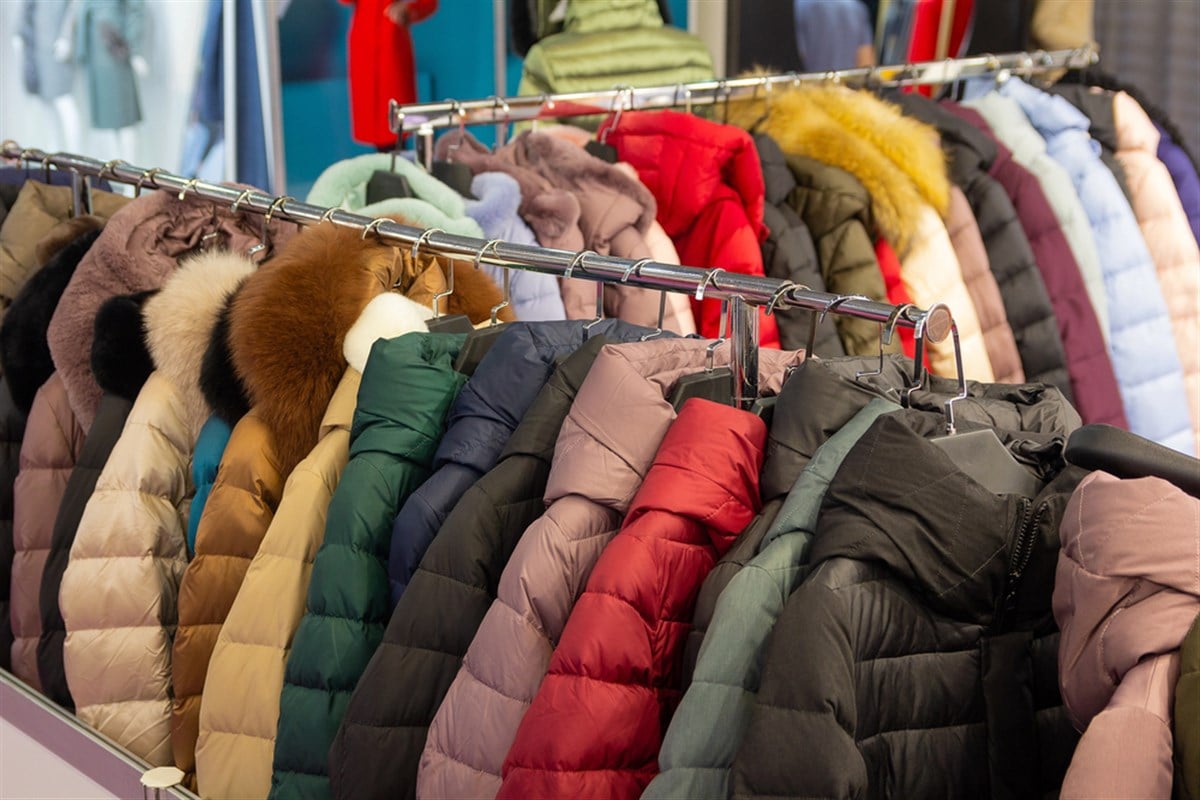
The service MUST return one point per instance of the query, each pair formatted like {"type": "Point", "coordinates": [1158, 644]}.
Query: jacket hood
{"type": "Point", "coordinates": [24, 351]}
{"type": "Point", "coordinates": [222, 388]}
{"type": "Point", "coordinates": [288, 324]}
{"type": "Point", "coordinates": [1127, 586]}
{"type": "Point", "coordinates": [1009, 123]}
{"type": "Point", "coordinates": [621, 413]}
{"type": "Point", "coordinates": [778, 181]}
{"type": "Point", "coordinates": [611, 15]}
{"type": "Point", "coordinates": [180, 319]}
{"type": "Point", "coordinates": [1132, 127]}
{"type": "Point", "coordinates": [120, 358]}
{"type": "Point", "coordinates": [64, 233]}
{"type": "Point", "coordinates": [436, 205]}
{"type": "Point", "coordinates": [706, 469]}
{"type": "Point", "coordinates": [387, 316]}
{"type": "Point", "coordinates": [138, 250]}
{"type": "Point", "coordinates": [1049, 113]}
{"type": "Point", "coordinates": [933, 526]}
{"type": "Point", "coordinates": [836, 195]}
{"type": "Point", "coordinates": [802, 126]}
{"type": "Point", "coordinates": [692, 162]}
{"type": "Point", "coordinates": [551, 212]}
{"type": "Point", "coordinates": [968, 148]}
{"type": "Point", "coordinates": [499, 197]}
{"type": "Point", "coordinates": [973, 118]}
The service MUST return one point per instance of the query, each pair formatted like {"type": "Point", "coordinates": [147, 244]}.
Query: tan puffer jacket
{"type": "Point", "coordinates": [240, 705]}
{"type": "Point", "coordinates": [119, 592]}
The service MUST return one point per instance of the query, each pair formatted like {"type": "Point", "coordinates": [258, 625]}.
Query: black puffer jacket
{"type": "Point", "coordinates": [121, 364]}
{"type": "Point", "coordinates": [1026, 301]}
{"type": "Point", "coordinates": [918, 659]}
{"type": "Point", "coordinates": [379, 743]}
{"type": "Point", "coordinates": [789, 253]}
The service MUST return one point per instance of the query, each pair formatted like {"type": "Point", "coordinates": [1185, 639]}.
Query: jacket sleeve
{"type": "Point", "coordinates": [235, 519]}
{"type": "Point", "coordinates": [119, 592]}
{"type": "Point", "coordinates": [511, 651]}
{"type": "Point", "coordinates": [240, 707]}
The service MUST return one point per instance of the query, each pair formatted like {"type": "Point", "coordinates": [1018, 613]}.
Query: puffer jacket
{"type": "Point", "coordinates": [240, 707]}
{"type": "Point", "coordinates": [897, 293]}
{"type": "Point", "coordinates": [534, 296]}
{"type": "Point", "coordinates": [119, 591]}
{"type": "Point", "coordinates": [1187, 714]}
{"type": "Point", "coordinates": [1125, 594]}
{"type": "Point", "coordinates": [971, 602]}
{"type": "Point", "coordinates": [12, 431]}
{"type": "Point", "coordinates": [1097, 105]}
{"type": "Point", "coordinates": [407, 389]}
{"type": "Point", "coordinates": [931, 274]}
{"type": "Point", "coordinates": [708, 185]}
{"type": "Point", "coordinates": [1164, 226]}
{"type": "Point", "coordinates": [967, 242]}
{"type": "Point", "coordinates": [121, 364]}
{"type": "Point", "coordinates": [1183, 174]}
{"type": "Point", "coordinates": [595, 726]}
{"type": "Point", "coordinates": [206, 461]}
{"type": "Point", "coordinates": [613, 43]}
{"type": "Point", "coordinates": [37, 211]}
{"type": "Point", "coordinates": [48, 451]}
{"type": "Point", "coordinates": [1154, 393]}
{"type": "Point", "coordinates": [139, 248]}
{"type": "Point", "coordinates": [836, 208]}
{"type": "Point", "coordinates": [597, 468]}
{"type": "Point", "coordinates": [1009, 126]}
{"type": "Point", "coordinates": [1082, 333]}
{"type": "Point", "coordinates": [789, 253]}
{"type": "Point", "coordinates": [438, 614]}
{"type": "Point", "coordinates": [434, 204]}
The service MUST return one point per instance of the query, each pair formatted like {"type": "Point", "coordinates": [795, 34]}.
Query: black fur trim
{"type": "Point", "coordinates": [219, 383]}
{"type": "Point", "coordinates": [121, 361]}
{"type": "Point", "coordinates": [24, 352]}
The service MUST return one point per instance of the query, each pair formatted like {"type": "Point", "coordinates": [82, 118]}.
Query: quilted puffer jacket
{"type": "Point", "coordinates": [607, 442]}
{"type": "Point", "coordinates": [707, 182]}
{"type": "Point", "coordinates": [206, 461]}
{"type": "Point", "coordinates": [240, 707]}
{"type": "Point", "coordinates": [1125, 595]}
{"type": "Point", "coordinates": [121, 364]}
{"type": "Point", "coordinates": [969, 602]}
{"type": "Point", "coordinates": [407, 389]}
{"type": "Point", "coordinates": [119, 592]}
{"type": "Point", "coordinates": [12, 431]}
{"type": "Point", "coordinates": [1152, 387]}
{"type": "Point", "coordinates": [1164, 226]}
{"type": "Point", "coordinates": [788, 253]}
{"type": "Point", "coordinates": [1187, 714]}
{"type": "Point", "coordinates": [1081, 327]}
{"type": "Point", "coordinates": [1183, 174]}
{"type": "Point", "coordinates": [613, 43]}
{"type": "Point", "coordinates": [534, 296]}
{"type": "Point", "coordinates": [596, 723]}
{"type": "Point", "coordinates": [437, 616]}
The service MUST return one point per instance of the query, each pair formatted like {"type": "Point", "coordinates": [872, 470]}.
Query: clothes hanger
{"type": "Point", "coordinates": [636, 269]}
{"type": "Point", "coordinates": [600, 148]}
{"type": "Point", "coordinates": [1127, 455]}
{"type": "Point", "coordinates": [145, 176]}
{"type": "Point", "coordinates": [451, 323]}
{"type": "Point", "coordinates": [501, 128]}
{"type": "Point", "coordinates": [480, 340]}
{"type": "Point", "coordinates": [233, 209]}
{"type": "Point", "coordinates": [819, 317]}
{"type": "Point", "coordinates": [978, 453]}
{"type": "Point", "coordinates": [265, 247]}
{"type": "Point", "coordinates": [714, 383]}
{"type": "Point", "coordinates": [587, 328]}
{"type": "Point", "coordinates": [886, 331]}
{"type": "Point", "coordinates": [450, 172]}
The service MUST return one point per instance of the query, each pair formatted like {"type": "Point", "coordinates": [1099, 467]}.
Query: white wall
{"type": "Point", "coordinates": [171, 47]}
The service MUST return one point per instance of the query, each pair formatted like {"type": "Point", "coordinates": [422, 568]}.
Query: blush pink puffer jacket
{"type": "Point", "coordinates": [607, 443]}
{"type": "Point", "coordinates": [1126, 592]}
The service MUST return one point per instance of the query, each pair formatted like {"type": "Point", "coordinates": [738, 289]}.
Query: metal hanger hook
{"type": "Point", "coordinates": [241, 198]}
{"type": "Point", "coordinates": [190, 186]}
{"type": "Point", "coordinates": [437, 296]}
{"type": "Point", "coordinates": [779, 293]}
{"type": "Point", "coordinates": [709, 277]}
{"type": "Point", "coordinates": [145, 176]}
{"type": "Point", "coordinates": [109, 166]}
{"type": "Point", "coordinates": [46, 165]}
{"type": "Point", "coordinates": [373, 225]}
{"type": "Point", "coordinates": [489, 245]}
{"type": "Point", "coordinates": [327, 216]}
{"type": "Point", "coordinates": [635, 268]}
{"type": "Point", "coordinates": [622, 92]}
{"type": "Point", "coordinates": [422, 239]}
{"type": "Point", "coordinates": [886, 330]}
{"type": "Point", "coordinates": [577, 261]}
{"type": "Point", "coordinates": [277, 205]}
{"type": "Point", "coordinates": [712, 347]}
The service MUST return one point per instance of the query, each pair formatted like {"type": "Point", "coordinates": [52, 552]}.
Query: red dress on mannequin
{"type": "Point", "coordinates": [381, 65]}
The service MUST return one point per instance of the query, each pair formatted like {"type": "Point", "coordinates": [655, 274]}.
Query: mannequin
{"type": "Point", "coordinates": [108, 39]}
{"type": "Point", "coordinates": [43, 48]}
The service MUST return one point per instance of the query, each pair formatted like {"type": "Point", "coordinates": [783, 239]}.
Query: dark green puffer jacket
{"type": "Point", "coordinates": [613, 43]}
{"type": "Point", "coordinates": [407, 389]}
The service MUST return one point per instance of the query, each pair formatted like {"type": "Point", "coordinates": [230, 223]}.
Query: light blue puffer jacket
{"type": "Point", "coordinates": [1141, 343]}
{"type": "Point", "coordinates": [534, 296]}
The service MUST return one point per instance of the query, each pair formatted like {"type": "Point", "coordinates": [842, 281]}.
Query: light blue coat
{"type": "Point", "coordinates": [708, 725]}
{"type": "Point", "coordinates": [1142, 346]}
{"type": "Point", "coordinates": [534, 296]}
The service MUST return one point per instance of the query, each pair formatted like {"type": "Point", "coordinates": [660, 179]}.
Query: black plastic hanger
{"type": "Point", "coordinates": [1127, 455]}
{"type": "Point", "coordinates": [448, 171]}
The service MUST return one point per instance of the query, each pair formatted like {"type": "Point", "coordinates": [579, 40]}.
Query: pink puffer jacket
{"type": "Point", "coordinates": [606, 445]}
{"type": "Point", "coordinates": [1126, 592]}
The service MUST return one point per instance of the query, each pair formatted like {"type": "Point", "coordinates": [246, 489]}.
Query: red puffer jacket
{"type": "Point", "coordinates": [708, 182]}
{"type": "Point", "coordinates": [598, 720]}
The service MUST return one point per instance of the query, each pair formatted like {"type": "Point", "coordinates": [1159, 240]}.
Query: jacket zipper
{"type": "Point", "coordinates": [1022, 552]}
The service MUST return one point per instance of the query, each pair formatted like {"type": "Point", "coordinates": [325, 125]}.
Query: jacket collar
{"type": "Point", "coordinates": [1010, 125]}
{"type": "Point", "coordinates": [1132, 127]}
{"type": "Point", "coordinates": [1050, 114]}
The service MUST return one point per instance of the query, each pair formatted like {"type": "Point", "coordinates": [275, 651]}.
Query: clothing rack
{"type": "Point", "coordinates": [741, 291]}
{"type": "Point", "coordinates": [425, 118]}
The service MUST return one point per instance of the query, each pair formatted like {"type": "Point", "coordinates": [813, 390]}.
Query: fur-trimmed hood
{"type": "Point", "coordinates": [219, 382]}
{"type": "Point", "coordinates": [120, 357]}
{"type": "Point", "coordinates": [551, 212]}
{"type": "Point", "coordinates": [387, 316]}
{"type": "Point", "coordinates": [436, 205]}
{"type": "Point", "coordinates": [24, 352]}
{"type": "Point", "coordinates": [180, 319]}
{"type": "Point", "coordinates": [801, 123]}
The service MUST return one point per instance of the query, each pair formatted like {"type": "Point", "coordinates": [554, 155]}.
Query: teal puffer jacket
{"type": "Point", "coordinates": [408, 387]}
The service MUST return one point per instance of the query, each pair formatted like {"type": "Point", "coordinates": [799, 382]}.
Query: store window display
{"type": "Point", "coordinates": [43, 48]}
